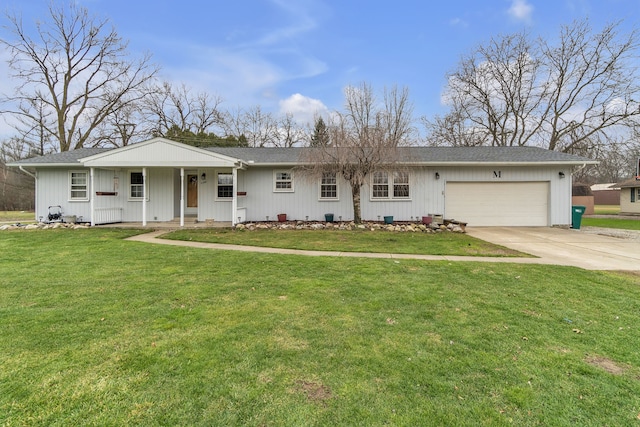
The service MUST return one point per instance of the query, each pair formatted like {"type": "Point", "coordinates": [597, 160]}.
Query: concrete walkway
{"type": "Point", "coordinates": [551, 245]}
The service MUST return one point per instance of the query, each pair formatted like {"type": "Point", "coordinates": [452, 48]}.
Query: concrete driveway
{"type": "Point", "coordinates": [579, 248]}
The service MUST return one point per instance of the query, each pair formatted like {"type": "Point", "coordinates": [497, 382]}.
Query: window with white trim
{"type": "Point", "coordinates": [329, 186]}
{"type": "Point", "coordinates": [225, 185]}
{"type": "Point", "coordinates": [390, 186]}
{"type": "Point", "coordinates": [78, 185]}
{"type": "Point", "coordinates": [400, 185]}
{"type": "Point", "coordinates": [136, 186]}
{"type": "Point", "coordinates": [380, 185]}
{"type": "Point", "coordinates": [283, 181]}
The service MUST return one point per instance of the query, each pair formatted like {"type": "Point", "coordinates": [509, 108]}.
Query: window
{"type": "Point", "coordinates": [136, 185]}
{"type": "Point", "coordinates": [401, 185]}
{"type": "Point", "coordinates": [283, 181]}
{"type": "Point", "coordinates": [78, 185]}
{"type": "Point", "coordinates": [635, 194]}
{"type": "Point", "coordinates": [394, 186]}
{"type": "Point", "coordinates": [329, 186]}
{"type": "Point", "coordinates": [380, 185]}
{"type": "Point", "coordinates": [225, 185]}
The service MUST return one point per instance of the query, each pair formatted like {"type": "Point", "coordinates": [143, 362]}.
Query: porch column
{"type": "Point", "coordinates": [234, 200]}
{"type": "Point", "coordinates": [92, 198]}
{"type": "Point", "coordinates": [144, 197]}
{"type": "Point", "coordinates": [181, 197]}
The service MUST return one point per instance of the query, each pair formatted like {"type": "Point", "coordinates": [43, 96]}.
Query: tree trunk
{"type": "Point", "coordinates": [355, 196]}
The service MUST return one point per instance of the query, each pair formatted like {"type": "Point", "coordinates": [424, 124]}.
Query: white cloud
{"type": "Point", "coordinates": [520, 10]}
{"type": "Point", "coordinates": [458, 22]}
{"type": "Point", "coordinates": [303, 108]}
{"type": "Point", "coordinates": [251, 71]}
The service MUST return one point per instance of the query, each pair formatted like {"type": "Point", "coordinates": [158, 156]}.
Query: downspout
{"type": "Point", "coordinates": [144, 197]}
{"type": "Point", "coordinates": [27, 172]}
{"type": "Point", "coordinates": [234, 200]}
{"type": "Point", "coordinates": [92, 202]}
{"type": "Point", "coordinates": [35, 178]}
{"type": "Point", "coordinates": [181, 197]}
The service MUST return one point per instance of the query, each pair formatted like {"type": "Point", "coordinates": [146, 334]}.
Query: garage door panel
{"type": "Point", "coordinates": [498, 204]}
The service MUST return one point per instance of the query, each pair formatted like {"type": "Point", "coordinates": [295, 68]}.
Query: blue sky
{"type": "Point", "coordinates": [298, 55]}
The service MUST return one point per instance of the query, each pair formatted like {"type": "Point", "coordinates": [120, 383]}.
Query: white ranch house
{"type": "Point", "coordinates": [160, 180]}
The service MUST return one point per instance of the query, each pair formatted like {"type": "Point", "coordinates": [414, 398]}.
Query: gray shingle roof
{"type": "Point", "coordinates": [290, 156]}
{"type": "Point", "coordinates": [424, 155]}
{"type": "Point", "coordinates": [61, 159]}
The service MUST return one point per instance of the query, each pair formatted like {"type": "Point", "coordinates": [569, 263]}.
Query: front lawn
{"type": "Point", "coordinates": [101, 331]}
{"type": "Point", "coordinates": [444, 243]}
{"type": "Point", "coordinates": [15, 216]}
{"type": "Point", "coordinates": [627, 224]}
{"type": "Point", "coordinates": [606, 209]}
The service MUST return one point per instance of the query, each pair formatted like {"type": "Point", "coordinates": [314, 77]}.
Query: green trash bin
{"type": "Point", "coordinates": [576, 216]}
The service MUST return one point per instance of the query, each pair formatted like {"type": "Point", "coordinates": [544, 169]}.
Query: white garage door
{"type": "Point", "coordinates": [498, 204]}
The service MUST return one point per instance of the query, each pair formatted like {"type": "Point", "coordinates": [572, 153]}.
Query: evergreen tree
{"type": "Point", "coordinates": [320, 137]}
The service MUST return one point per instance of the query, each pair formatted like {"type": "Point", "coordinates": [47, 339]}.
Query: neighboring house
{"type": "Point", "coordinates": [629, 196]}
{"type": "Point", "coordinates": [161, 180]}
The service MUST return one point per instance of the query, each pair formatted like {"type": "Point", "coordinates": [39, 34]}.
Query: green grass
{"type": "Point", "coordinates": [606, 209]}
{"type": "Point", "coordinates": [627, 224]}
{"type": "Point", "coordinates": [8, 216]}
{"type": "Point", "coordinates": [101, 331]}
{"type": "Point", "coordinates": [445, 243]}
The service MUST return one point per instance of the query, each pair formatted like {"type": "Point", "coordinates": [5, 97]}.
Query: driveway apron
{"type": "Point", "coordinates": [560, 246]}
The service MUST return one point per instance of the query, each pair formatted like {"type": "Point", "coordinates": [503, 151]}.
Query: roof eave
{"type": "Point", "coordinates": [495, 163]}
{"type": "Point", "coordinates": [44, 165]}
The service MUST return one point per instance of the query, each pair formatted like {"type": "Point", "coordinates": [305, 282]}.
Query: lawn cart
{"type": "Point", "coordinates": [55, 214]}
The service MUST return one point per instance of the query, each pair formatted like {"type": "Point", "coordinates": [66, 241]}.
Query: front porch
{"type": "Point", "coordinates": [189, 222]}
{"type": "Point", "coordinates": [151, 182]}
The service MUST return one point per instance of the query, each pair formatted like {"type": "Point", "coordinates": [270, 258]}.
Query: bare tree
{"type": "Point", "coordinates": [33, 131]}
{"type": "Point", "coordinates": [260, 128]}
{"type": "Point", "coordinates": [122, 127]}
{"type": "Point", "coordinates": [560, 96]}
{"type": "Point", "coordinates": [78, 68]}
{"type": "Point", "coordinates": [17, 190]}
{"type": "Point", "coordinates": [290, 133]}
{"type": "Point", "coordinates": [593, 74]}
{"type": "Point", "coordinates": [364, 138]}
{"type": "Point", "coordinates": [178, 108]}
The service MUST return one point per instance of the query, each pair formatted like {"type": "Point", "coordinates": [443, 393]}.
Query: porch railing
{"type": "Point", "coordinates": [107, 215]}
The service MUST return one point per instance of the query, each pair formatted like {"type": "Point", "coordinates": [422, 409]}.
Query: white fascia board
{"type": "Point", "coordinates": [275, 165]}
{"type": "Point", "coordinates": [467, 164]}
{"type": "Point", "coordinates": [45, 165]}
{"type": "Point", "coordinates": [161, 164]}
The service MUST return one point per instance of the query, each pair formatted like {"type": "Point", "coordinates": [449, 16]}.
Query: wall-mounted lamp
{"type": "Point", "coordinates": [203, 177]}
{"type": "Point", "coordinates": [437, 175]}
{"type": "Point", "coordinates": [561, 174]}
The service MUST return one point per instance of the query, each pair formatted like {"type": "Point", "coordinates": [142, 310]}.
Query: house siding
{"type": "Point", "coordinates": [304, 202]}
{"type": "Point", "coordinates": [626, 205]}
{"type": "Point", "coordinates": [164, 159]}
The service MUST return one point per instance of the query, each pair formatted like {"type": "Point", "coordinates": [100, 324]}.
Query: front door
{"type": "Point", "coordinates": [192, 192]}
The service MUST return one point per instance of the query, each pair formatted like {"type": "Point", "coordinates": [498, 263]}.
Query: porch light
{"type": "Point", "coordinates": [437, 175]}
{"type": "Point", "coordinates": [203, 177]}
{"type": "Point", "coordinates": [561, 174]}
